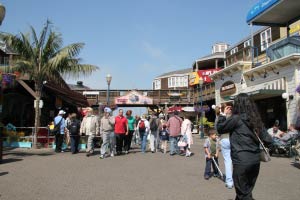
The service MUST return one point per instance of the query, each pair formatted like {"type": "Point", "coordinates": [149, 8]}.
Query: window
{"type": "Point", "coordinates": [234, 50]}
{"type": "Point", "coordinates": [265, 39]}
{"type": "Point", "coordinates": [157, 84]}
{"type": "Point", "coordinates": [180, 81]}
{"type": "Point", "coordinates": [247, 43]}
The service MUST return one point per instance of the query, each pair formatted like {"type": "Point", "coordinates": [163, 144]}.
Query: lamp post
{"type": "Point", "coordinates": [201, 108]}
{"type": "Point", "coordinates": [2, 15]}
{"type": "Point", "coordinates": [108, 80]}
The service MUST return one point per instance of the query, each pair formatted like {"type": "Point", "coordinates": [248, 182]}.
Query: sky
{"type": "Point", "coordinates": [134, 40]}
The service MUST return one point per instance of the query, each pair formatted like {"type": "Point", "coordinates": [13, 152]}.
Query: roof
{"type": "Point", "coordinates": [5, 48]}
{"type": "Point", "coordinates": [181, 71]}
{"type": "Point", "coordinates": [274, 13]}
{"type": "Point", "coordinates": [67, 95]}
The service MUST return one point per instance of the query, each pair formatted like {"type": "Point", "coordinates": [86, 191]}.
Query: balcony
{"type": "Point", "coordinates": [284, 48]}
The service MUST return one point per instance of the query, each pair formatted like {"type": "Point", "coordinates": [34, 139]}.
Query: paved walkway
{"type": "Point", "coordinates": [42, 174]}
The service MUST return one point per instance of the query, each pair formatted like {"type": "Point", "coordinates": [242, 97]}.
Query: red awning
{"type": "Point", "coordinates": [177, 108]}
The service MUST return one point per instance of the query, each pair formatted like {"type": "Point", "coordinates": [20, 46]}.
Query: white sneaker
{"type": "Point", "coordinates": [112, 154]}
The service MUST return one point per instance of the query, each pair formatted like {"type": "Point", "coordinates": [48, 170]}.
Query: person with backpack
{"type": "Point", "coordinates": [74, 127]}
{"type": "Point", "coordinates": [59, 127]}
{"type": "Point", "coordinates": [154, 123]}
{"type": "Point", "coordinates": [144, 128]}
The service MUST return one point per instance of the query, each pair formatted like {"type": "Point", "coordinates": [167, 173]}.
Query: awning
{"type": "Point", "coordinates": [265, 93]}
{"type": "Point", "coordinates": [274, 13]}
{"type": "Point", "coordinates": [67, 95]}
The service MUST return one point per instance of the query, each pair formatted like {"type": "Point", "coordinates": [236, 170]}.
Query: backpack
{"type": "Point", "coordinates": [142, 126]}
{"type": "Point", "coordinates": [56, 129]}
{"type": "Point", "coordinates": [73, 127]}
{"type": "Point", "coordinates": [153, 125]}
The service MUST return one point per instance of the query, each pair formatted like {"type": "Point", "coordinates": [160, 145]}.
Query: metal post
{"type": "Point", "coordinates": [201, 110]}
{"type": "Point", "coordinates": [108, 88]}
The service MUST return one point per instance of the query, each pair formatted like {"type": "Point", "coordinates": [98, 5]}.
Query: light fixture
{"type": "Point", "coordinates": [287, 97]}
{"type": "Point", "coordinates": [265, 74]}
{"type": "Point", "coordinates": [273, 70]}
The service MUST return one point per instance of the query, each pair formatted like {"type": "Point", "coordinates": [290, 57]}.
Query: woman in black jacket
{"type": "Point", "coordinates": [245, 150]}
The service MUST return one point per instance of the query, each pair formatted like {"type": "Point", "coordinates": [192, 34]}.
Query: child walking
{"type": "Point", "coordinates": [211, 151]}
{"type": "Point", "coordinates": [164, 137]}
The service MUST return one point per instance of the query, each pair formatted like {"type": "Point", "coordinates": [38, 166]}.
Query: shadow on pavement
{"type": "Point", "coordinates": [3, 173]}
{"type": "Point", "coordinates": [10, 160]}
{"type": "Point", "coordinates": [297, 165]}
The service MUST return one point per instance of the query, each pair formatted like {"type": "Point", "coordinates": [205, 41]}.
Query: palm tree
{"type": "Point", "coordinates": [43, 58]}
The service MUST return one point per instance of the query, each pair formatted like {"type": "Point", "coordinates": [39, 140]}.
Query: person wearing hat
{"type": "Point", "coordinates": [90, 127]}
{"type": "Point", "coordinates": [107, 133]}
{"type": "Point", "coordinates": [59, 137]}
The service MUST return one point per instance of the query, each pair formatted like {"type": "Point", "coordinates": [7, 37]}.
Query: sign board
{"type": "Point", "coordinates": [259, 8]}
{"type": "Point", "coordinates": [193, 78]}
{"type": "Point", "coordinates": [204, 74]}
{"type": "Point", "coordinates": [228, 88]}
{"type": "Point", "coordinates": [41, 104]}
{"type": "Point", "coordinates": [133, 98]}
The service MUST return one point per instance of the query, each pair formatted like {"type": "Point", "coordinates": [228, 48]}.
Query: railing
{"type": "Point", "coordinates": [23, 137]}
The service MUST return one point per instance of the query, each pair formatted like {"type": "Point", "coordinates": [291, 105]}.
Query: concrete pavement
{"type": "Point", "coordinates": [43, 174]}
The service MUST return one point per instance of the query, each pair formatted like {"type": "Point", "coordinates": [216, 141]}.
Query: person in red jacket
{"type": "Point", "coordinates": [121, 130]}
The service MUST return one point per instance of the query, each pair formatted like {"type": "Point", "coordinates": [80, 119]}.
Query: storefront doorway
{"type": "Point", "coordinates": [272, 109]}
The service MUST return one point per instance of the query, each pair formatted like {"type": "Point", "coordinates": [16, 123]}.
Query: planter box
{"type": "Point", "coordinates": [64, 146]}
{"type": "Point", "coordinates": [18, 144]}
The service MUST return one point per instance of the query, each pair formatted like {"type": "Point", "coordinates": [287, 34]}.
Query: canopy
{"type": "Point", "coordinates": [279, 13]}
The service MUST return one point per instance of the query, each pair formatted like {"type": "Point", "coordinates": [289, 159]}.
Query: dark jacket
{"type": "Point", "coordinates": [244, 144]}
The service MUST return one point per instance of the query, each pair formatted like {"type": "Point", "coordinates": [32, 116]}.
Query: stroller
{"type": "Point", "coordinates": [281, 148]}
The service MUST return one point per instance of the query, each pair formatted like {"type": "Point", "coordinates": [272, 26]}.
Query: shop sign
{"type": "Point", "coordinates": [134, 98]}
{"type": "Point", "coordinates": [228, 88]}
{"type": "Point", "coordinates": [193, 78]}
{"type": "Point", "coordinates": [204, 74]}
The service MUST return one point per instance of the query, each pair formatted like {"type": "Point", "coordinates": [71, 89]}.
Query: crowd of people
{"type": "Point", "coordinates": [238, 128]}
{"type": "Point", "coordinates": [119, 132]}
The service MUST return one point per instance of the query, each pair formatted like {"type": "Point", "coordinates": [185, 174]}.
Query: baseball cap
{"type": "Point", "coordinates": [107, 110]}
{"type": "Point", "coordinates": [61, 112]}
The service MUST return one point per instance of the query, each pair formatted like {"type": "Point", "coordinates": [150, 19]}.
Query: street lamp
{"type": "Point", "coordinates": [201, 108]}
{"type": "Point", "coordinates": [108, 80]}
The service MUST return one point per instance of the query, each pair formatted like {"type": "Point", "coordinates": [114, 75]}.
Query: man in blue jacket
{"type": "Point", "coordinates": [59, 137]}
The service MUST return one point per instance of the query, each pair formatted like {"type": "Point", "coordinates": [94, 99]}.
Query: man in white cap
{"type": "Point", "coordinates": [107, 133]}
{"type": "Point", "coordinates": [90, 127]}
{"type": "Point", "coordinates": [59, 121]}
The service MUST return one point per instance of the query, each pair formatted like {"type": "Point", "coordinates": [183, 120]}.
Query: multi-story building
{"type": "Point", "coordinates": [266, 65]}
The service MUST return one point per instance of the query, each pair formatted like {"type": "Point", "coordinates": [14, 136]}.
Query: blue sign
{"type": "Point", "coordinates": [259, 8]}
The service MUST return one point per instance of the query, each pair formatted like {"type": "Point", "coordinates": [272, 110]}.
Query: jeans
{"type": "Point", "coordinates": [209, 163]}
{"type": "Point", "coordinates": [143, 136]}
{"type": "Point", "coordinates": [74, 143]}
{"type": "Point", "coordinates": [59, 141]}
{"type": "Point", "coordinates": [174, 144]}
{"type": "Point", "coordinates": [225, 147]}
{"type": "Point", "coordinates": [108, 141]}
{"type": "Point", "coordinates": [128, 138]}
{"type": "Point", "coordinates": [154, 140]}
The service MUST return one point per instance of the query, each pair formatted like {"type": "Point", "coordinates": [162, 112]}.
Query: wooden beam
{"type": "Point", "coordinates": [27, 88]}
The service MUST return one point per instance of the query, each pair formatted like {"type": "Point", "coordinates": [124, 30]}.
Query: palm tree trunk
{"type": "Point", "coordinates": [37, 117]}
